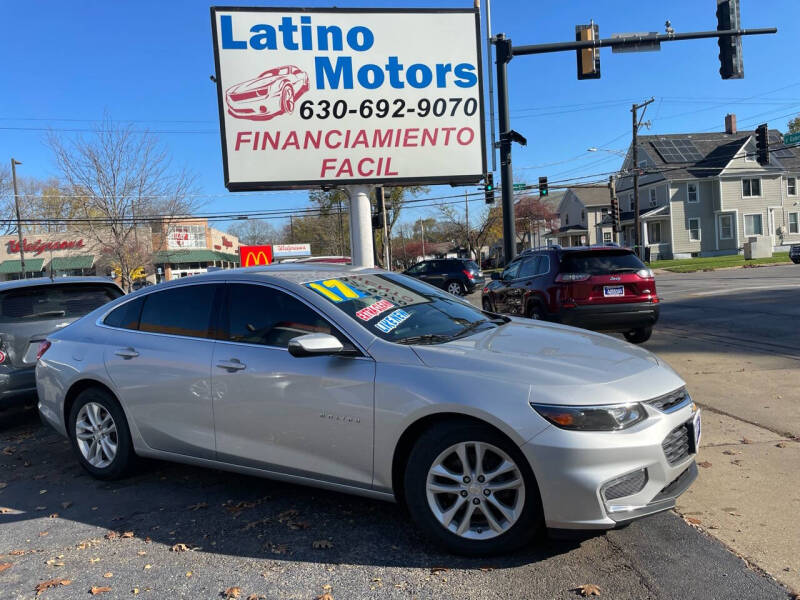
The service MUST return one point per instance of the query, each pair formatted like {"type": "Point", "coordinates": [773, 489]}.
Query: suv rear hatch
{"type": "Point", "coordinates": [607, 276]}
{"type": "Point", "coordinates": [28, 314]}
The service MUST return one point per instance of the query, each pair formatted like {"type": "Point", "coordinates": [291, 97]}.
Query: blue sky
{"type": "Point", "coordinates": [66, 63]}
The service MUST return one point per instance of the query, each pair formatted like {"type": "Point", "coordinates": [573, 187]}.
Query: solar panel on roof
{"type": "Point", "coordinates": [677, 151]}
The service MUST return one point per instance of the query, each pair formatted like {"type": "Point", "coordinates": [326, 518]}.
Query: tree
{"type": "Point", "coordinates": [255, 232]}
{"type": "Point", "coordinates": [794, 125]}
{"type": "Point", "coordinates": [119, 174]}
{"type": "Point", "coordinates": [533, 216]}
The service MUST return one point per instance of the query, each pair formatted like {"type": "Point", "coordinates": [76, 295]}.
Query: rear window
{"type": "Point", "coordinates": [54, 301]}
{"type": "Point", "coordinates": [601, 263]}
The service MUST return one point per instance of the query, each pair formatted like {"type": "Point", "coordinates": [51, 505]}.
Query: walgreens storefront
{"type": "Point", "coordinates": [59, 254]}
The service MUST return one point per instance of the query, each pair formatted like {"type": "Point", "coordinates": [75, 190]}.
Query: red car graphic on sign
{"type": "Point", "coordinates": [272, 93]}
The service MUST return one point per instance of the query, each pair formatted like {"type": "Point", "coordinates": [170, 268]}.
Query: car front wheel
{"type": "Point", "coordinates": [99, 434]}
{"type": "Point", "coordinates": [639, 336]}
{"type": "Point", "coordinates": [471, 490]}
{"type": "Point", "coordinates": [287, 100]}
{"type": "Point", "coordinates": [455, 288]}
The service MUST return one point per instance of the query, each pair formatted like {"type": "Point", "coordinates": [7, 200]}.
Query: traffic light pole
{"type": "Point", "coordinates": [505, 52]}
{"type": "Point", "coordinates": [637, 224]}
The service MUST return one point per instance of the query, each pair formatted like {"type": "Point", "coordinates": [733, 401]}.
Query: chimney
{"type": "Point", "coordinates": [730, 123]}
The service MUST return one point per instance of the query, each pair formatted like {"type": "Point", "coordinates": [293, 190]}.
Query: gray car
{"type": "Point", "coordinates": [29, 310]}
{"type": "Point", "coordinates": [488, 428]}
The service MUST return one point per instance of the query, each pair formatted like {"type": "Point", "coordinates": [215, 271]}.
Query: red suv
{"type": "Point", "coordinates": [598, 287]}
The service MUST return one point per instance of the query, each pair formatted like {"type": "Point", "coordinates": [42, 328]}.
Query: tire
{"type": "Point", "coordinates": [287, 100]}
{"type": "Point", "coordinates": [638, 336]}
{"type": "Point", "coordinates": [97, 405]}
{"type": "Point", "coordinates": [479, 536]}
{"type": "Point", "coordinates": [487, 305]}
{"type": "Point", "coordinates": [455, 287]}
{"type": "Point", "coordinates": [535, 311]}
{"type": "Point", "coordinates": [796, 261]}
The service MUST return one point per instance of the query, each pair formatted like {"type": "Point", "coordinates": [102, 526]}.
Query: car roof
{"type": "Point", "coordinates": [297, 273]}
{"type": "Point", "coordinates": [44, 281]}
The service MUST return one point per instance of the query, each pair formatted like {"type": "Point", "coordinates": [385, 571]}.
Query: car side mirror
{"type": "Point", "coordinates": [496, 276]}
{"type": "Point", "coordinates": [314, 344]}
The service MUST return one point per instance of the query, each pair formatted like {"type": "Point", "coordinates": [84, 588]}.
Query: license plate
{"type": "Point", "coordinates": [613, 290]}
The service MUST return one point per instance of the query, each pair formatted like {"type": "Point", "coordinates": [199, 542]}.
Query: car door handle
{"type": "Point", "coordinates": [231, 365]}
{"type": "Point", "coordinates": [127, 353]}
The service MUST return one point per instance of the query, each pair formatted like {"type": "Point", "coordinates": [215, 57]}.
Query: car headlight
{"type": "Point", "coordinates": [592, 418]}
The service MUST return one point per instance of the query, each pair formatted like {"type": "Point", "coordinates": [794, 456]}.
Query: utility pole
{"type": "Point", "coordinates": [14, 164]}
{"type": "Point", "coordinates": [422, 231]}
{"type": "Point", "coordinates": [405, 256]}
{"type": "Point", "coordinates": [612, 189]}
{"type": "Point", "coordinates": [637, 122]}
{"type": "Point", "coordinates": [380, 199]}
{"type": "Point", "coordinates": [466, 209]}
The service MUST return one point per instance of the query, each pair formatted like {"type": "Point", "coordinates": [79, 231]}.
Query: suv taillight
{"type": "Point", "coordinates": [44, 346]}
{"type": "Point", "coordinates": [469, 275]}
{"type": "Point", "coordinates": [645, 273]}
{"type": "Point", "coordinates": [571, 277]}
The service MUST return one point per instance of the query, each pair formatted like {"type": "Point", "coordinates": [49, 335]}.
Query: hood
{"type": "Point", "coordinates": [563, 365]}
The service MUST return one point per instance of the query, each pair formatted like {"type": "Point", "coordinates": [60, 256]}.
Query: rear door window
{"type": "Point", "coordinates": [601, 262]}
{"type": "Point", "coordinates": [184, 310]}
{"type": "Point", "coordinates": [530, 267]}
{"type": "Point", "coordinates": [126, 316]}
{"type": "Point", "coordinates": [54, 301]}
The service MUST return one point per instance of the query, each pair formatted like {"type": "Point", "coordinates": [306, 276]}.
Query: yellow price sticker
{"type": "Point", "coordinates": [335, 290]}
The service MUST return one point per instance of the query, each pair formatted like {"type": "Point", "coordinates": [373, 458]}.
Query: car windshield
{"type": "Point", "coordinates": [54, 301]}
{"type": "Point", "coordinates": [601, 262]}
{"type": "Point", "coordinates": [403, 310]}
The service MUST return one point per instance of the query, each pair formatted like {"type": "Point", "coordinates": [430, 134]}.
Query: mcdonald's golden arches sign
{"type": "Point", "coordinates": [250, 256]}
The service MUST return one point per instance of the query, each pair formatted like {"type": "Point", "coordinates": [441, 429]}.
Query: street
{"type": "Point", "coordinates": [176, 531]}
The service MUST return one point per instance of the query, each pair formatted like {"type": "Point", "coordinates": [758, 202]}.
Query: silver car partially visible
{"type": "Point", "coordinates": [367, 382]}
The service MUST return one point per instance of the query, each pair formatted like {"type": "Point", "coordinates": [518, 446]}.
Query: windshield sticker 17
{"type": "Point", "coordinates": [335, 290]}
{"type": "Point", "coordinates": [373, 310]}
{"type": "Point", "coordinates": [388, 323]}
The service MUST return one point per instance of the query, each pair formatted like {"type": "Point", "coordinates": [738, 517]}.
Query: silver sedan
{"type": "Point", "coordinates": [489, 429]}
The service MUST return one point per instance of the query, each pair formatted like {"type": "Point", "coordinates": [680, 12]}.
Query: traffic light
{"type": "Point", "coordinates": [588, 58]}
{"type": "Point", "coordinates": [377, 218]}
{"type": "Point", "coordinates": [615, 217]}
{"type": "Point", "coordinates": [543, 191]}
{"type": "Point", "coordinates": [488, 189]}
{"type": "Point", "coordinates": [762, 144]}
{"type": "Point", "coordinates": [730, 47]}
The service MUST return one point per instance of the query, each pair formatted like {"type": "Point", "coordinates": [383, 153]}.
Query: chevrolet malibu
{"type": "Point", "coordinates": [488, 428]}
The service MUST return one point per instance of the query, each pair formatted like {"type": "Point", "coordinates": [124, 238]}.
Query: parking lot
{"type": "Point", "coordinates": [174, 531]}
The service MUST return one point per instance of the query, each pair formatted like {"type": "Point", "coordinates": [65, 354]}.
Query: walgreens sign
{"type": "Point", "coordinates": [315, 97]}
{"type": "Point", "coordinates": [38, 247]}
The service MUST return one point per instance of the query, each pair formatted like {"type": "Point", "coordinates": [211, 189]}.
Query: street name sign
{"type": "Point", "coordinates": [329, 97]}
{"type": "Point", "coordinates": [791, 138]}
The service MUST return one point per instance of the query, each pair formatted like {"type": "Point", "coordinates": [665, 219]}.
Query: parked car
{"type": "Point", "coordinates": [602, 288]}
{"type": "Point", "coordinates": [29, 310]}
{"type": "Point", "coordinates": [458, 276]}
{"type": "Point", "coordinates": [373, 383]}
{"type": "Point", "coordinates": [272, 93]}
{"type": "Point", "coordinates": [794, 253]}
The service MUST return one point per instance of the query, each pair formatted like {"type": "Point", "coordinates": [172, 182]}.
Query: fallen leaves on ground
{"type": "Point", "coordinates": [55, 562]}
{"type": "Point", "coordinates": [127, 535]}
{"type": "Point", "coordinates": [588, 589]}
{"type": "Point", "coordinates": [705, 464]}
{"type": "Point", "coordinates": [108, 575]}
{"type": "Point", "coordinates": [435, 570]}
{"type": "Point", "coordinates": [692, 520]}
{"type": "Point", "coordinates": [111, 535]}
{"type": "Point", "coordinates": [236, 509]}
{"type": "Point", "coordinates": [781, 445]}
{"type": "Point", "coordinates": [253, 524]}
{"type": "Point", "coordinates": [179, 548]}
{"type": "Point", "coordinates": [278, 548]}
{"type": "Point", "coordinates": [141, 553]}
{"type": "Point", "coordinates": [325, 596]}
{"type": "Point", "coordinates": [730, 452]}
{"type": "Point", "coordinates": [197, 506]}
{"type": "Point", "coordinates": [4, 566]}
{"type": "Point", "coordinates": [17, 552]}
{"type": "Point", "coordinates": [746, 441]}
{"type": "Point", "coordinates": [232, 592]}
{"type": "Point", "coordinates": [95, 589]}
{"type": "Point", "coordinates": [9, 450]}
{"type": "Point", "coordinates": [94, 560]}
{"type": "Point", "coordinates": [256, 597]}
{"type": "Point", "coordinates": [53, 516]}
{"type": "Point", "coordinates": [148, 567]}
{"type": "Point", "coordinates": [322, 544]}
{"type": "Point", "coordinates": [50, 583]}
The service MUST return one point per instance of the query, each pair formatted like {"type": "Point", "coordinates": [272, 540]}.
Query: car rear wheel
{"type": "Point", "coordinates": [535, 311]}
{"type": "Point", "coordinates": [99, 434]}
{"type": "Point", "coordinates": [287, 100]}
{"type": "Point", "coordinates": [638, 336]}
{"type": "Point", "coordinates": [487, 305]}
{"type": "Point", "coordinates": [455, 287]}
{"type": "Point", "coordinates": [471, 490]}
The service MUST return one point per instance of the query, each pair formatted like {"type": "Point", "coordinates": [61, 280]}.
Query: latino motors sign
{"type": "Point", "coordinates": [321, 97]}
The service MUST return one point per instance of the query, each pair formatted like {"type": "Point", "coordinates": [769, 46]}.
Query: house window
{"type": "Point", "coordinates": [607, 235]}
{"type": "Point", "coordinates": [726, 227]}
{"type": "Point", "coordinates": [751, 187]}
{"type": "Point", "coordinates": [793, 225]}
{"type": "Point", "coordinates": [653, 198]}
{"type": "Point", "coordinates": [692, 194]}
{"type": "Point", "coordinates": [752, 225]}
{"type": "Point", "coordinates": [654, 232]}
{"type": "Point", "coordinates": [791, 186]}
{"type": "Point", "coordinates": [694, 230]}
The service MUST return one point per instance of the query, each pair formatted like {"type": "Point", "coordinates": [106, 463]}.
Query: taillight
{"type": "Point", "coordinates": [43, 347]}
{"type": "Point", "coordinates": [469, 275]}
{"type": "Point", "coordinates": [571, 277]}
{"type": "Point", "coordinates": [645, 273]}
{"type": "Point", "coordinates": [2, 357]}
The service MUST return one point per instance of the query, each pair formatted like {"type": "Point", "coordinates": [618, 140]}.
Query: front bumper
{"type": "Point", "coordinates": [612, 317]}
{"type": "Point", "coordinates": [572, 467]}
{"type": "Point", "coordinates": [17, 386]}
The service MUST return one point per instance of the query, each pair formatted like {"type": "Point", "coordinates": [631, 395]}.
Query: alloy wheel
{"type": "Point", "coordinates": [96, 435]}
{"type": "Point", "coordinates": [475, 490]}
{"type": "Point", "coordinates": [288, 100]}
{"type": "Point", "coordinates": [454, 288]}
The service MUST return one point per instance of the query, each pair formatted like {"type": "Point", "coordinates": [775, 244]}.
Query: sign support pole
{"type": "Point", "coordinates": [361, 252]}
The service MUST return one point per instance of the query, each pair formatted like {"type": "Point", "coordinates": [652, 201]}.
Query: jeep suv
{"type": "Point", "coordinates": [458, 276]}
{"type": "Point", "coordinates": [599, 287]}
{"type": "Point", "coordinates": [794, 253]}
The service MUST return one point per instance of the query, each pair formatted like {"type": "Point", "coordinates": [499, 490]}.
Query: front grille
{"type": "Point", "coordinates": [627, 485]}
{"type": "Point", "coordinates": [676, 444]}
{"type": "Point", "coordinates": [670, 402]}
